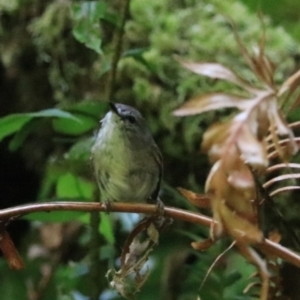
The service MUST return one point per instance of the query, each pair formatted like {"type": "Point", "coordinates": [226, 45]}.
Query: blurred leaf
{"type": "Point", "coordinates": [214, 139]}
{"type": "Point", "coordinates": [81, 151]}
{"type": "Point", "coordinates": [14, 122]}
{"type": "Point", "coordinates": [71, 186]}
{"type": "Point", "coordinates": [202, 245]}
{"type": "Point", "coordinates": [21, 135]}
{"type": "Point", "coordinates": [95, 109]}
{"type": "Point", "coordinates": [54, 112]}
{"type": "Point", "coordinates": [215, 71]}
{"type": "Point", "coordinates": [91, 11]}
{"type": "Point", "coordinates": [91, 39]}
{"type": "Point", "coordinates": [208, 102]}
{"type": "Point", "coordinates": [138, 55]}
{"type": "Point", "coordinates": [13, 284]}
{"type": "Point", "coordinates": [8, 6]}
{"type": "Point", "coordinates": [55, 216]}
{"type": "Point", "coordinates": [291, 83]}
{"type": "Point", "coordinates": [72, 276]}
{"type": "Point", "coordinates": [286, 18]}
{"type": "Point", "coordinates": [254, 152]}
{"type": "Point", "coordinates": [198, 200]}
{"type": "Point", "coordinates": [51, 175]}
{"type": "Point", "coordinates": [87, 29]}
{"type": "Point", "coordinates": [72, 127]}
{"type": "Point", "coordinates": [294, 114]}
{"type": "Point", "coordinates": [106, 228]}
{"type": "Point", "coordinates": [239, 227]}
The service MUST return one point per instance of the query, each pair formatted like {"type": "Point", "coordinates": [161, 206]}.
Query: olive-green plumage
{"type": "Point", "coordinates": [128, 163]}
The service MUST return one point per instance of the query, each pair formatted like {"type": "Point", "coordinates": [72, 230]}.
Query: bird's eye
{"type": "Point", "coordinates": [131, 119]}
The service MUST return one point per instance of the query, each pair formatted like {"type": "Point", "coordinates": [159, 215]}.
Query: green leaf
{"type": "Point", "coordinates": [89, 10]}
{"type": "Point", "coordinates": [55, 216]}
{"type": "Point", "coordinates": [53, 112]}
{"type": "Point", "coordinates": [13, 284]}
{"type": "Point", "coordinates": [106, 228]}
{"type": "Point", "coordinates": [14, 122]}
{"type": "Point", "coordinates": [72, 127]}
{"type": "Point", "coordinates": [51, 175]}
{"type": "Point", "coordinates": [88, 35]}
{"type": "Point", "coordinates": [21, 135]}
{"type": "Point", "coordinates": [81, 151]}
{"type": "Point", "coordinates": [93, 109]}
{"type": "Point", "coordinates": [87, 29]}
{"type": "Point", "coordinates": [71, 186]}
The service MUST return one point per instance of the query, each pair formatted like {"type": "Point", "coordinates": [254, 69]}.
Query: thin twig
{"type": "Point", "coordinates": [214, 263]}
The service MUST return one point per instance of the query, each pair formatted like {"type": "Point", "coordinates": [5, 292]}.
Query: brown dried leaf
{"type": "Point", "coordinates": [239, 228]}
{"type": "Point", "coordinates": [253, 152]}
{"type": "Point", "coordinates": [280, 123]}
{"type": "Point", "coordinates": [10, 252]}
{"type": "Point", "coordinates": [290, 84]}
{"type": "Point", "coordinates": [261, 265]}
{"type": "Point", "coordinates": [288, 148]}
{"type": "Point", "coordinates": [153, 233]}
{"type": "Point", "coordinates": [124, 285]}
{"type": "Point", "coordinates": [137, 248]}
{"type": "Point", "coordinates": [236, 187]}
{"type": "Point", "coordinates": [281, 178]}
{"type": "Point", "coordinates": [279, 127]}
{"type": "Point", "coordinates": [214, 140]}
{"type": "Point", "coordinates": [263, 67]}
{"type": "Point", "coordinates": [202, 245]}
{"type": "Point", "coordinates": [262, 120]}
{"type": "Point", "coordinates": [136, 251]}
{"type": "Point", "coordinates": [243, 49]}
{"type": "Point", "coordinates": [238, 202]}
{"type": "Point", "coordinates": [216, 71]}
{"type": "Point", "coordinates": [295, 103]}
{"type": "Point", "coordinates": [212, 101]}
{"type": "Point", "coordinates": [241, 178]}
{"type": "Point", "coordinates": [269, 68]}
{"type": "Point", "coordinates": [275, 236]}
{"type": "Point", "coordinates": [202, 201]}
{"type": "Point", "coordinates": [213, 70]}
{"type": "Point", "coordinates": [284, 189]}
{"type": "Point", "coordinates": [283, 166]}
{"type": "Point", "coordinates": [129, 279]}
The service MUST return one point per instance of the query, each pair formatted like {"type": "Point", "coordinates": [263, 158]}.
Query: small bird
{"type": "Point", "coordinates": [127, 161]}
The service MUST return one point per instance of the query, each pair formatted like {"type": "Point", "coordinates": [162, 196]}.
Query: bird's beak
{"type": "Point", "coordinates": [113, 108]}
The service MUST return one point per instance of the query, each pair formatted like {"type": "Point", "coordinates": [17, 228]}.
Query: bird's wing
{"type": "Point", "coordinates": [159, 159]}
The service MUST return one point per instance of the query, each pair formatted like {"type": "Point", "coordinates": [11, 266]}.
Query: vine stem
{"type": "Point", "coordinates": [9, 214]}
{"type": "Point", "coordinates": [118, 44]}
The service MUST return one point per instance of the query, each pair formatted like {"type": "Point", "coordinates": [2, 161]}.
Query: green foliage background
{"type": "Point", "coordinates": [55, 57]}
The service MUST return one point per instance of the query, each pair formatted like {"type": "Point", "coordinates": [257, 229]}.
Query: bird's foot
{"type": "Point", "coordinates": [160, 219]}
{"type": "Point", "coordinates": [107, 206]}
{"type": "Point", "coordinates": [160, 208]}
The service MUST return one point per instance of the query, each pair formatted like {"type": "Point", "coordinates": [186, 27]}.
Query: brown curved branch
{"type": "Point", "coordinates": [266, 246]}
